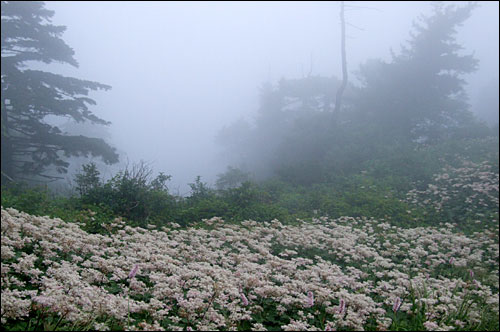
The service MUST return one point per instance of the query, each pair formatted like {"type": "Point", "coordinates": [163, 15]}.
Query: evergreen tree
{"type": "Point", "coordinates": [420, 93]}
{"type": "Point", "coordinates": [30, 145]}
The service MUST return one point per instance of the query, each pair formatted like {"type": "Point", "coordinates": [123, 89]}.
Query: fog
{"type": "Point", "coordinates": [180, 71]}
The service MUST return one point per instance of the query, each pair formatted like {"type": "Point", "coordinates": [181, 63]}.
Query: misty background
{"type": "Point", "coordinates": [181, 71]}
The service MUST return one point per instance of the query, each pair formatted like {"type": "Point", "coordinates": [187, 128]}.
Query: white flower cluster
{"type": "Point", "coordinates": [209, 279]}
{"type": "Point", "coordinates": [473, 186]}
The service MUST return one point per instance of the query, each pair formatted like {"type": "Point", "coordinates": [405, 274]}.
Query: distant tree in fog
{"type": "Point", "coordinates": [30, 145]}
{"type": "Point", "coordinates": [231, 178]}
{"type": "Point", "coordinates": [420, 94]}
{"type": "Point", "coordinates": [417, 97]}
{"type": "Point", "coordinates": [282, 111]}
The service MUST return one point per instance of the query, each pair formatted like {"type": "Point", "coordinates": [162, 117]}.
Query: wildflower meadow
{"type": "Point", "coordinates": [358, 193]}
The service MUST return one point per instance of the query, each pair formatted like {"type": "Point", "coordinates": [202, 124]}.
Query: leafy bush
{"type": "Point", "coordinates": [88, 180]}
{"type": "Point", "coordinates": [200, 190]}
{"type": "Point", "coordinates": [130, 193]}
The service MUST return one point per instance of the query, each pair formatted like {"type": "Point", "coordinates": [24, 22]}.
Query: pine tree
{"type": "Point", "coordinates": [420, 94]}
{"type": "Point", "coordinates": [30, 145]}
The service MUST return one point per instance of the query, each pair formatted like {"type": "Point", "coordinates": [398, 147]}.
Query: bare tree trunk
{"type": "Point", "coordinates": [340, 91]}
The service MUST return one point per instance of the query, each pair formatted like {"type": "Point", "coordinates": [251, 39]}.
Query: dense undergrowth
{"type": "Point", "coordinates": [382, 189]}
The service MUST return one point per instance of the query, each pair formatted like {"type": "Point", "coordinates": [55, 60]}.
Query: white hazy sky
{"type": "Point", "coordinates": [182, 70]}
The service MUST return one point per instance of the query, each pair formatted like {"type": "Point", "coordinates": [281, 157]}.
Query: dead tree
{"type": "Point", "coordinates": [340, 90]}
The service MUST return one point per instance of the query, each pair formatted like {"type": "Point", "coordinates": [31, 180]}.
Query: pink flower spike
{"type": "Point", "coordinates": [397, 304]}
{"type": "Point", "coordinates": [341, 306]}
{"type": "Point", "coordinates": [471, 273]}
{"type": "Point", "coordinates": [310, 299]}
{"type": "Point", "coordinates": [244, 299]}
{"type": "Point", "coordinates": [451, 260]}
{"type": "Point", "coordinates": [132, 273]}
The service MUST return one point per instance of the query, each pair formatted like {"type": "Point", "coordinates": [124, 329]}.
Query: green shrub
{"type": "Point", "coordinates": [130, 194]}
{"type": "Point", "coordinates": [32, 200]}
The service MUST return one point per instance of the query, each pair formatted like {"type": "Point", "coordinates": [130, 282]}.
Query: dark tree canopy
{"type": "Point", "coordinates": [30, 145]}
